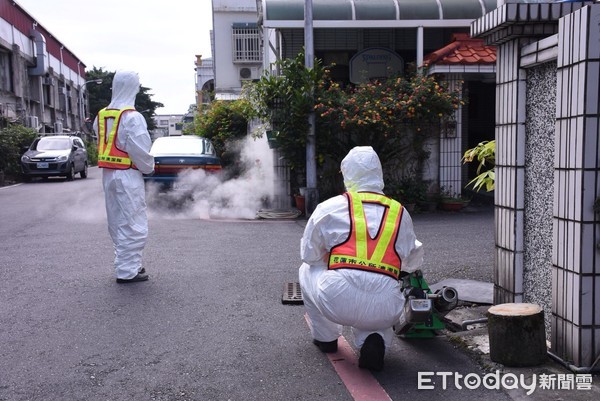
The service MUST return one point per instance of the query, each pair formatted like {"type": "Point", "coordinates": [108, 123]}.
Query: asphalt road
{"type": "Point", "coordinates": [209, 325]}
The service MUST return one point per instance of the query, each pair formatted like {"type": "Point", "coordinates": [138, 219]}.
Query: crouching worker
{"type": "Point", "coordinates": [353, 248]}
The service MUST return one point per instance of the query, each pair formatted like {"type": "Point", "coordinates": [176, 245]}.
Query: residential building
{"type": "Point", "coordinates": [375, 39]}
{"type": "Point", "coordinates": [405, 33]}
{"type": "Point", "coordinates": [237, 46]}
{"type": "Point", "coordinates": [205, 81]}
{"type": "Point", "coordinates": [167, 125]}
{"type": "Point", "coordinates": [42, 83]}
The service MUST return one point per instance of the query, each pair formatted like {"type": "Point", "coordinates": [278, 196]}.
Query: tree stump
{"type": "Point", "coordinates": [517, 334]}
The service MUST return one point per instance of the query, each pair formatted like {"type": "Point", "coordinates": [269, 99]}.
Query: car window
{"type": "Point", "coordinates": [177, 146]}
{"type": "Point", "coordinates": [53, 144]}
{"type": "Point", "coordinates": [209, 150]}
{"type": "Point", "coordinates": [78, 143]}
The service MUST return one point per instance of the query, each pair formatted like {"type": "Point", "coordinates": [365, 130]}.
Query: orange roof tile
{"type": "Point", "coordinates": [463, 50]}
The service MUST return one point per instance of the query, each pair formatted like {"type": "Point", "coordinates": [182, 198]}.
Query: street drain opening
{"type": "Point", "coordinates": [292, 293]}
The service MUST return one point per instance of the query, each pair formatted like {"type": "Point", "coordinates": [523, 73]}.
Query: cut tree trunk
{"type": "Point", "coordinates": [517, 334]}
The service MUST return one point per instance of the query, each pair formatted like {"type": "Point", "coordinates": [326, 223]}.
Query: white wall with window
{"type": "Point", "coordinates": [237, 46]}
{"type": "Point", "coordinates": [167, 125]}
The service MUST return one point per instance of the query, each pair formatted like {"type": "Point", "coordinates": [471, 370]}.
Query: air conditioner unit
{"type": "Point", "coordinates": [58, 128]}
{"type": "Point", "coordinates": [48, 81]}
{"type": "Point", "coordinates": [31, 122]}
{"type": "Point", "coordinates": [249, 73]}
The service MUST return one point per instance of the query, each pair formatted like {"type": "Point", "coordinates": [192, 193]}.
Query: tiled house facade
{"type": "Point", "coordinates": [547, 164]}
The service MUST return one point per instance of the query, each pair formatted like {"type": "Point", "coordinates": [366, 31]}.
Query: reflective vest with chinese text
{"type": "Point", "coordinates": [360, 251]}
{"type": "Point", "coordinates": [109, 156]}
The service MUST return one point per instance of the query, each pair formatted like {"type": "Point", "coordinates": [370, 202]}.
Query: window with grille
{"type": "Point", "coordinates": [5, 72]}
{"type": "Point", "coordinates": [246, 43]}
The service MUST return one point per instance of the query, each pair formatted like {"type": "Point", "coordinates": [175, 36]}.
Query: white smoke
{"type": "Point", "coordinates": [206, 195]}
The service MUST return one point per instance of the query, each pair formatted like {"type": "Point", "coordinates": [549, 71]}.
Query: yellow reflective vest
{"type": "Point", "coordinates": [109, 156]}
{"type": "Point", "coordinates": [359, 250]}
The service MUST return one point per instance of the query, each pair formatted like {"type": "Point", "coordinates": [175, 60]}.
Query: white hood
{"type": "Point", "coordinates": [362, 170]}
{"type": "Point", "coordinates": [125, 87]}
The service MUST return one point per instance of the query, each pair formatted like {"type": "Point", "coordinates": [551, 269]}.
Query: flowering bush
{"type": "Point", "coordinates": [385, 109]}
{"type": "Point", "coordinates": [394, 116]}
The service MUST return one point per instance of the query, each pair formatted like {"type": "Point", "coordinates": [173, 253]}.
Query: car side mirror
{"type": "Point", "coordinates": [24, 149]}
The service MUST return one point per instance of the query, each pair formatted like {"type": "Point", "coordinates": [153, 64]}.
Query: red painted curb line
{"type": "Point", "coordinates": [360, 382]}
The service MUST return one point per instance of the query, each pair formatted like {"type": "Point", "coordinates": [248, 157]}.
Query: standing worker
{"type": "Point", "coordinates": [123, 154]}
{"type": "Point", "coordinates": [353, 248]}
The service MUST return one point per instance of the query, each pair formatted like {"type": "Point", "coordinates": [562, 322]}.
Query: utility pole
{"type": "Point", "coordinates": [311, 194]}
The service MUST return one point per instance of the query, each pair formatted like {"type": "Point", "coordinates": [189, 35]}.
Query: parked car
{"type": "Point", "coordinates": [175, 154]}
{"type": "Point", "coordinates": [55, 155]}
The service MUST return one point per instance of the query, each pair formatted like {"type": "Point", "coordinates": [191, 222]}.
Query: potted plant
{"type": "Point", "coordinates": [409, 192]}
{"type": "Point", "coordinates": [299, 199]}
{"type": "Point", "coordinates": [451, 200]}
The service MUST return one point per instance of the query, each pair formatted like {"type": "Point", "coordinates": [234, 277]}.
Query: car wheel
{"type": "Point", "coordinates": [71, 173]}
{"type": "Point", "coordinates": [84, 172]}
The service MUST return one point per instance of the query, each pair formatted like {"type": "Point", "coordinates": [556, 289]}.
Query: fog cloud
{"type": "Point", "coordinates": [207, 195]}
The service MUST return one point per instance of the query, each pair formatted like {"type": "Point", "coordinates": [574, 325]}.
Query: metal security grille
{"type": "Point", "coordinates": [246, 45]}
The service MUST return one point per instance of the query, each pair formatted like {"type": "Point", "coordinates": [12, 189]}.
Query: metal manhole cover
{"type": "Point", "coordinates": [292, 293]}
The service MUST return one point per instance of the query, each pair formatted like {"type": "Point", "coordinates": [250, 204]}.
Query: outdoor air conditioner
{"type": "Point", "coordinates": [48, 81]}
{"type": "Point", "coordinates": [249, 73]}
{"type": "Point", "coordinates": [58, 128]}
{"type": "Point", "coordinates": [31, 122]}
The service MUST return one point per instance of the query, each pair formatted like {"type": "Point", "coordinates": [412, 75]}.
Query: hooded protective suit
{"type": "Point", "coordinates": [124, 189]}
{"type": "Point", "coordinates": [366, 301]}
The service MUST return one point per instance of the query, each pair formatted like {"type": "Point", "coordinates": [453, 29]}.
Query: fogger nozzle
{"type": "Point", "coordinates": [446, 300]}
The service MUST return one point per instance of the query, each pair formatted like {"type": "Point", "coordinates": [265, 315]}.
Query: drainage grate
{"type": "Point", "coordinates": [292, 294]}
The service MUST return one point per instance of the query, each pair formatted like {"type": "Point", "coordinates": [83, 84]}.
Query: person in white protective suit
{"type": "Point", "coordinates": [123, 154]}
{"type": "Point", "coordinates": [352, 249]}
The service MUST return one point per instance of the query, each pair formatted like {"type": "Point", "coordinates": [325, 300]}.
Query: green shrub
{"type": "Point", "coordinates": [12, 141]}
{"type": "Point", "coordinates": [92, 150]}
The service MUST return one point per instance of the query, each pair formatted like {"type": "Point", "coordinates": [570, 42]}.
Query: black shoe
{"type": "Point", "coordinates": [326, 347]}
{"type": "Point", "coordinates": [138, 277]}
{"type": "Point", "coordinates": [372, 353]}
{"type": "Point", "coordinates": [142, 271]}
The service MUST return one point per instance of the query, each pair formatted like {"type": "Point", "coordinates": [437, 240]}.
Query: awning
{"type": "Point", "coordinates": [374, 13]}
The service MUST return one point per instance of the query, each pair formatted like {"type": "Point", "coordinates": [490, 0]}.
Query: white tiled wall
{"type": "Point", "coordinates": [575, 271]}
{"type": "Point", "coordinates": [576, 176]}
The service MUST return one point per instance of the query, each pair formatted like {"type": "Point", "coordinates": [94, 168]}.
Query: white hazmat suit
{"type": "Point", "coordinates": [124, 189]}
{"type": "Point", "coordinates": [368, 302]}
